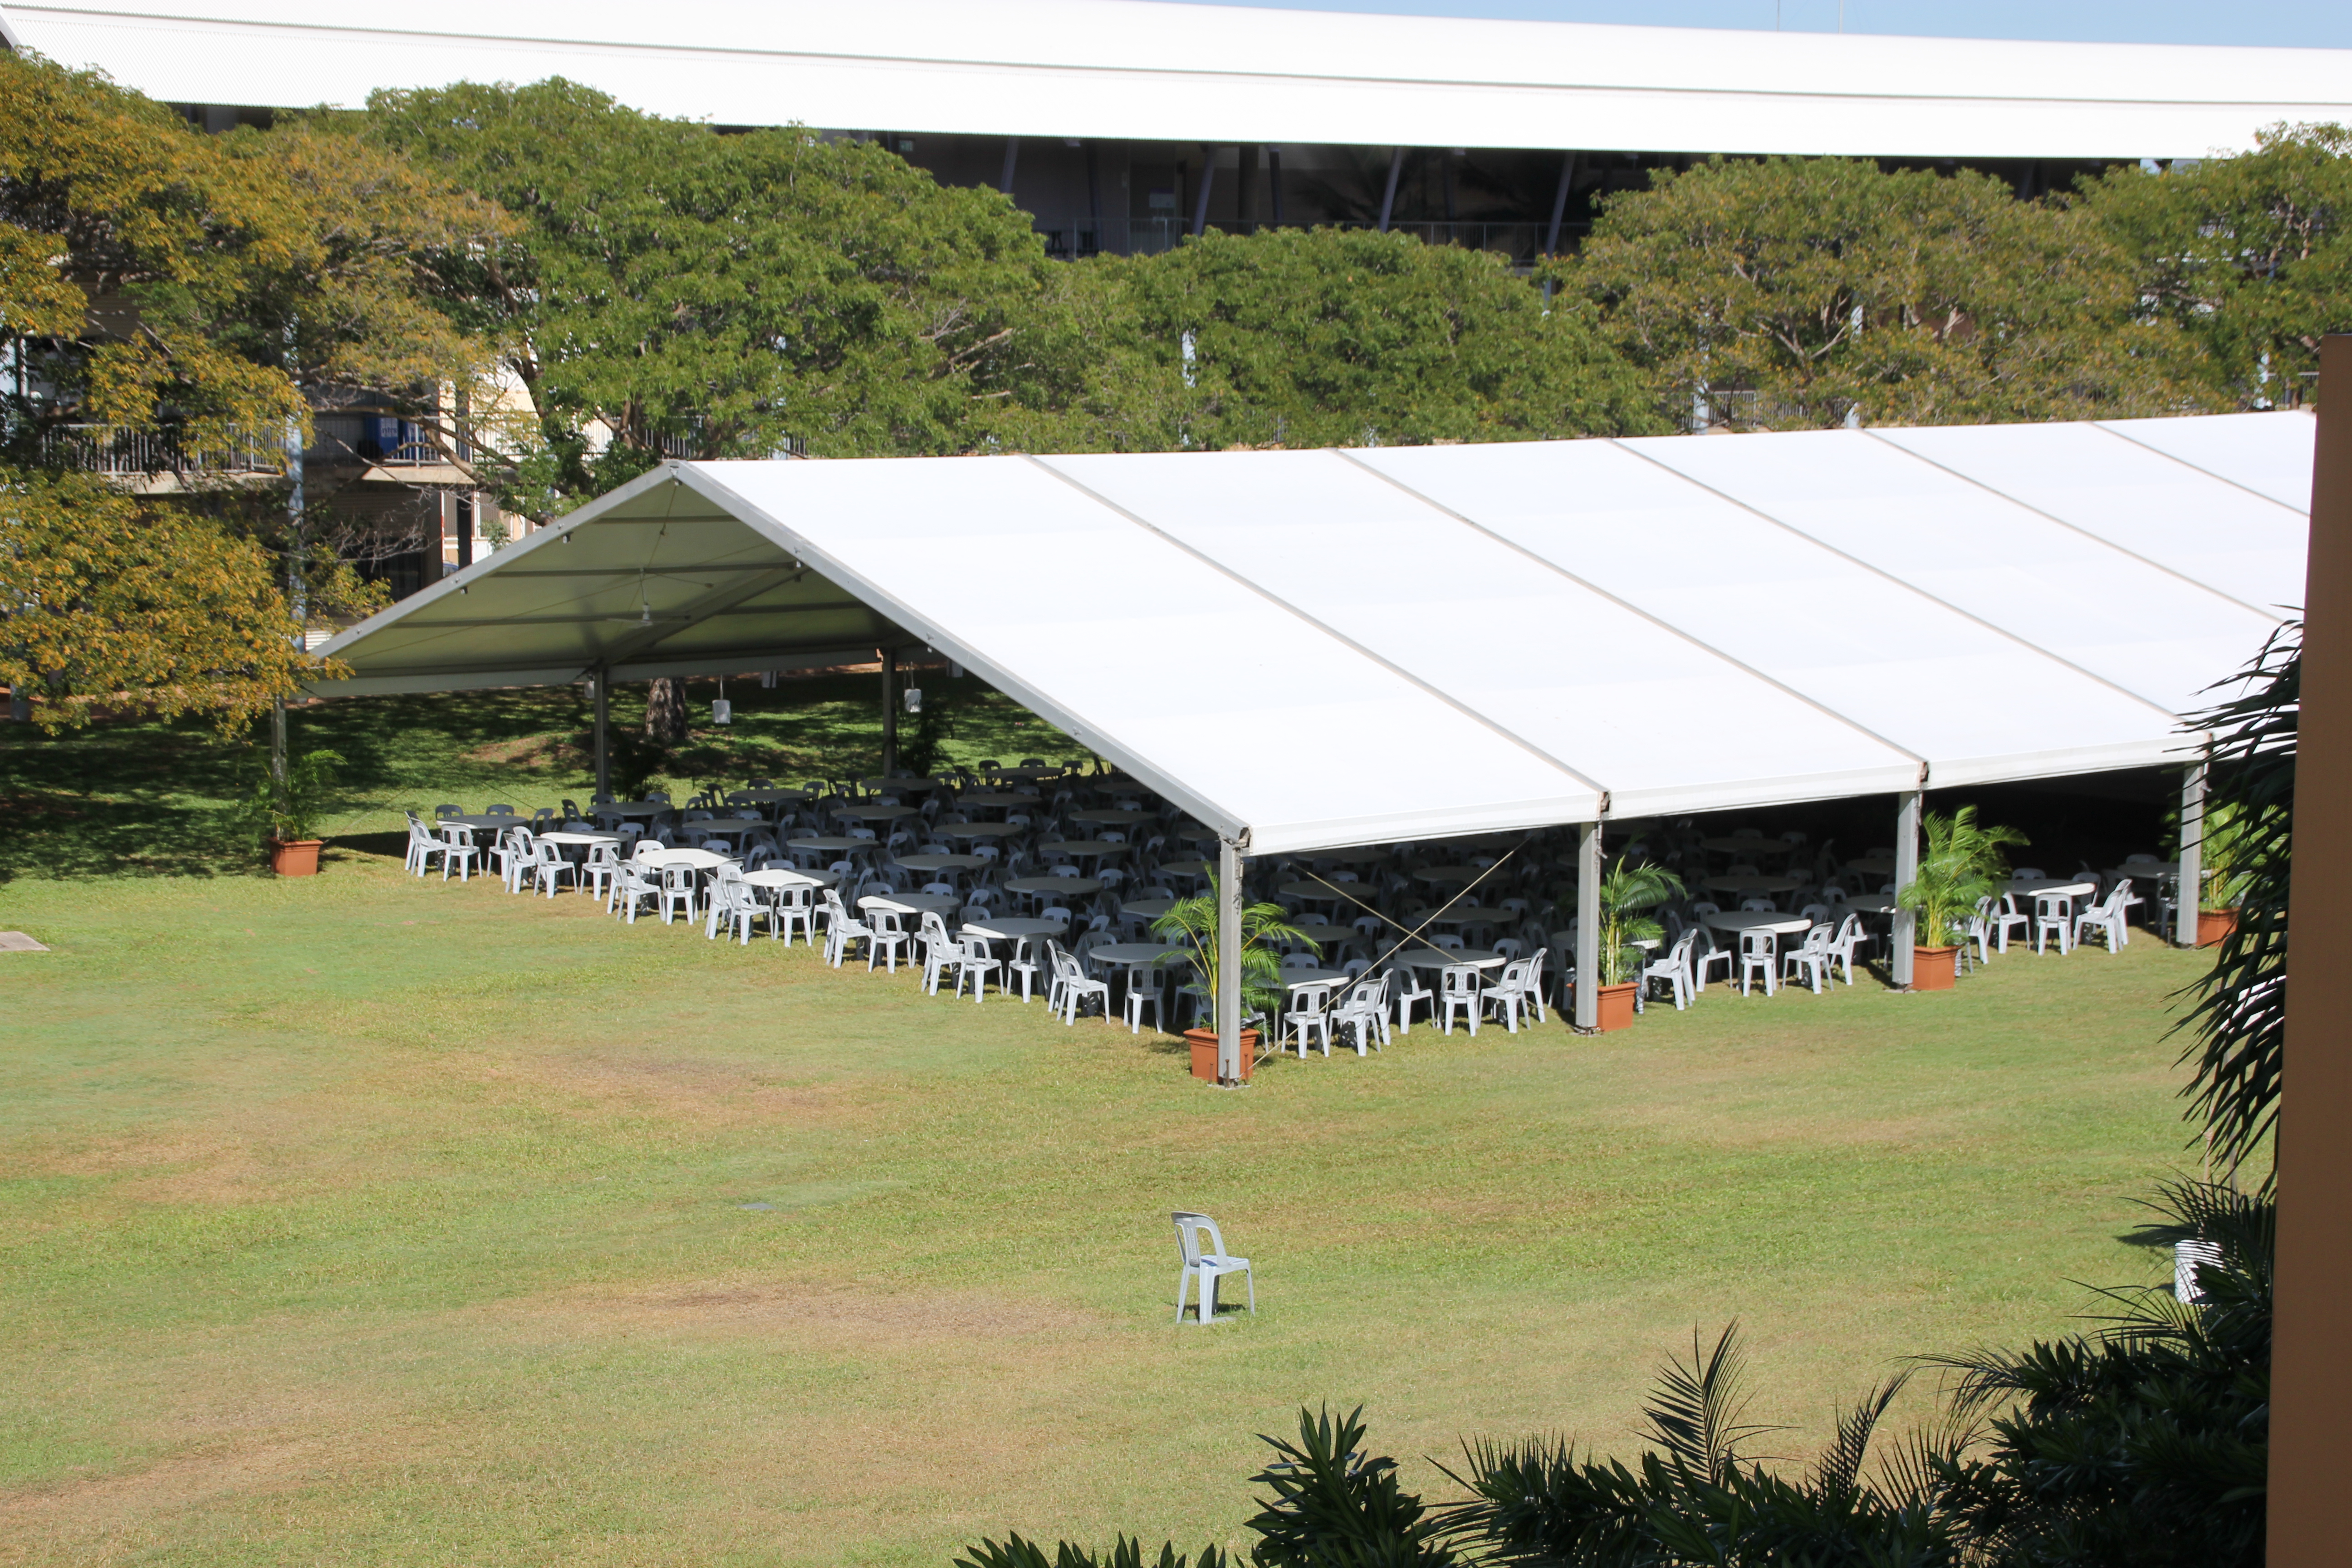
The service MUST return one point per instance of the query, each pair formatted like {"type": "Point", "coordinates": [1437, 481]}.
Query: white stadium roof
{"type": "Point", "coordinates": [1324, 647]}
{"type": "Point", "coordinates": [1130, 70]}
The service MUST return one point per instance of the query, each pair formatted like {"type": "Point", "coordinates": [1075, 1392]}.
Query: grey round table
{"type": "Point", "coordinates": [1075, 886]}
{"type": "Point", "coordinates": [1438, 958]}
{"type": "Point", "coordinates": [1757, 920]}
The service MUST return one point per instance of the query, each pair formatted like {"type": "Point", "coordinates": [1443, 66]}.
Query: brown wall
{"type": "Point", "coordinates": [2311, 1405]}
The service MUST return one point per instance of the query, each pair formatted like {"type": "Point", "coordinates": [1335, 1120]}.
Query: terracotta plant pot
{"type": "Point", "coordinates": [1934, 968]}
{"type": "Point", "coordinates": [297, 858]}
{"type": "Point", "coordinates": [2212, 925]}
{"type": "Point", "coordinates": [1204, 1053]}
{"type": "Point", "coordinates": [1614, 1008]}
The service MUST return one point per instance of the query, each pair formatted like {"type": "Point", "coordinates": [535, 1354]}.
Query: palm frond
{"type": "Point", "coordinates": [1695, 1411]}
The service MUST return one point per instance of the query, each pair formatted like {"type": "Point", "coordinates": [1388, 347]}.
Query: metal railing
{"type": "Point", "coordinates": [131, 453]}
{"type": "Point", "coordinates": [383, 439]}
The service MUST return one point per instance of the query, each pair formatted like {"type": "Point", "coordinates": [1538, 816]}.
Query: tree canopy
{"type": "Point", "coordinates": [674, 289]}
{"type": "Point", "coordinates": [1333, 337]}
{"type": "Point", "coordinates": [2250, 257]}
{"type": "Point", "coordinates": [1790, 294]}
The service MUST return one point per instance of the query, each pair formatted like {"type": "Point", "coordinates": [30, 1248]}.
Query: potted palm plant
{"type": "Point", "coordinates": [284, 811]}
{"type": "Point", "coordinates": [1192, 925]}
{"type": "Point", "coordinates": [2221, 854]}
{"type": "Point", "coordinates": [1962, 864]}
{"type": "Point", "coordinates": [1627, 893]}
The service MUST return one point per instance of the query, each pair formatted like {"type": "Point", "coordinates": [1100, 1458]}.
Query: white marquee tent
{"type": "Point", "coordinates": [1309, 649]}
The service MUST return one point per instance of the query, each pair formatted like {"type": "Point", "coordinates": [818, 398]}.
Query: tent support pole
{"type": "Point", "coordinates": [1907, 870]}
{"type": "Point", "coordinates": [602, 682]}
{"type": "Point", "coordinates": [1587, 930]}
{"type": "Point", "coordinates": [2189, 886]}
{"type": "Point", "coordinates": [889, 711]}
{"type": "Point", "coordinates": [1388, 197]}
{"type": "Point", "coordinates": [1229, 961]}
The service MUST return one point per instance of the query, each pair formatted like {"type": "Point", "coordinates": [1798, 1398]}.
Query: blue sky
{"type": "Point", "coordinates": [2309, 23]}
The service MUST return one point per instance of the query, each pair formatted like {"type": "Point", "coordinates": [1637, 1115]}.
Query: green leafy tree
{"type": "Point", "coordinates": [1325, 338]}
{"type": "Point", "coordinates": [117, 602]}
{"type": "Point", "coordinates": [673, 290]}
{"type": "Point", "coordinates": [184, 293]}
{"type": "Point", "coordinates": [1788, 293]}
{"type": "Point", "coordinates": [2251, 257]}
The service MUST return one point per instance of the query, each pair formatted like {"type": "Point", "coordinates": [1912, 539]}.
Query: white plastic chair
{"type": "Point", "coordinates": [1850, 935]}
{"type": "Point", "coordinates": [549, 869]}
{"type": "Point", "coordinates": [1309, 1011]}
{"type": "Point", "coordinates": [637, 883]}
{"type": "Point", "coordinates": [1508, 993]}
{"type": "Point", "coordinates": [1076, 988]}
{"type": "Point", "coordinates": [2005, 917]}
{"type": "Point", "coordinates": [1204, 1266]}
{"type": "Point", "coordinates": [1458, 991]}
{"type": "Point", "coordinates": [1408, 990]}
{"type": "Point", "coordinates": [1365, 1011]}
{"type": "Point", "coordinates": [940, 949]}
{"type": "Point", "coordinates": [2053, 914]}
{"type": "Point", "coordinates": [602, 867]}
{"type": "Point", "coordinates": [1143, 990]}
{"type": "Point", "coordinates": [884, 939]}
{"type": "Point", "coordinates": [511, 851]}
{"type": "Point", "coordinates": [1675, 969]}
{"type": "Point", "coordinates": [1810, 959]}
{"type": "Point", "coordinates": [457, 849]}
{"type": "Point", "coordinates": [736, 906]}
{"type": "Point", "coordinates": [2107, 918]}
{"type": "Point", "coordinates": [1758, 951]}
{"type": "Point", "coordinates": [1713, 952]}
{"type": "Point", "coordinates": [422, 846]}
{"type": "Point", "coordinates": [794, 908]}
{"type": "Point", "coordinates": [840, 931]}
{"type": "Point", "coordinates": [975, 964]}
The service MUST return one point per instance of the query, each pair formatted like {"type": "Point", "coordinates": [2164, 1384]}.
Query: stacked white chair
{"type": "Point", "coordinates": [2107, 917]}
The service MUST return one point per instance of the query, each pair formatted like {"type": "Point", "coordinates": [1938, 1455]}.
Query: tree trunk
{"type": "Point", "coordinates": [666, 712]}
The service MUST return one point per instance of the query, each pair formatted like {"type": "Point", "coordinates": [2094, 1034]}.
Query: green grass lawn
{"type": "Point", "coordinates": [358, 1219]}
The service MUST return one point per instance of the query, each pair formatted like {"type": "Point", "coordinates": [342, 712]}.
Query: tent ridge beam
{"type": "Point", "coordinates": [1271, 597]}
{"type": "Point", "coordinates": [1667, 627]}
{"type": "Point", "coordinates": [2171, 720]}
{"type": "Point", "coordinates": [2072, 527]}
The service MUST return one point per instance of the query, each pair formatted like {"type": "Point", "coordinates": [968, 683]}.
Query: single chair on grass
{"type": "Point", "coordinates": [1206, 1265]}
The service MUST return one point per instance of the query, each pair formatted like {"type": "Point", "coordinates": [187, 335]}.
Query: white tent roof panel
{"type": "Point", "coordinates": [1162, 72]}
{"type": "Point", "coordinates": [2128, 622]}
{"type": "Point", "coordinates": [2207, 529]}
{"type": "Point", "coordinates": [1583, 680]}
{"type": "Point", "coordinates": [1874, 651]}
{"type": "Point", "coordinates": [1324, 648]}
{"type": "Point", "coordinates": [2268, 454]}
{"type": "Point", "coordinates": [1147, 654]}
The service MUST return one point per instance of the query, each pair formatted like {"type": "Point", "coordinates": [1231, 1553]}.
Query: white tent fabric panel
{"type": "Point", "coordinates": [1321, 649]}
{"type": "Point", "coordinates": [1873, 650]}
{"type": "Point", "coordinates": [1174, 669]}
{"type": "Point", "coordinates": [1590, 683]}
{"type": "Point", "coordinates": [2206, 529]}
{"type": "Point", "coordinates": [2267, 453]}
{"type": "Point", "coordinates": [2128, 622]}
